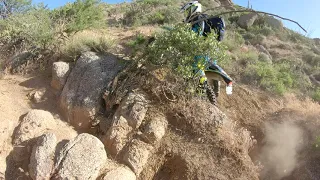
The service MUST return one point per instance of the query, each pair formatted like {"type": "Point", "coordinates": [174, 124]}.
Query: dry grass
{"type": "Point", "coordinates": [306, 107]}
{"type": "Point", "coordinates": [88, 40]}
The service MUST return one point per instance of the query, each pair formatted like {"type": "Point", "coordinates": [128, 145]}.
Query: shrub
{"type": "Point", "coordinates": [276, 78]}
{"type": "Point", "coordinates": [80, 15]}
{"type": "Point", "coordinates": [257, 39]}
{"type": "Point", "coordinates": [144, 12]}
{"type": "Point", "coordinates": [250, 56]}
{"type": "Point", "coordinates": [267, 31]}
{"type": "Point", "coordinates": [138, 40]}
{"type": "Point", "coordinates": [233, 40]}
{"type": "Point", "coordinates": [177, 49]}
{"type": "Point", "coordinates": [316, 95]}
{"type": "Point", "coordinates": [311, 58]}
{"type": "Point", "coordinates": [86, 41]}
{"type": "Point", "coordinates": [248, 36]}
{"type": "Point", "coordinates": [264, 58]}
{"type": "Point", "coordinates": [40, 28]}
{"type": "Point", "coordinates": [34, 27]}
{"type": "Point", "coordinates": [138, 44]}
{"type": "Point", "coordinates": [233, 19]}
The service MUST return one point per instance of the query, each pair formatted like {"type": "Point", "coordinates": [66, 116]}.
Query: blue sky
{"type": "Point", "coordinates": [305, 12]}
{"type": "Point", "coordinates": [58, 3]}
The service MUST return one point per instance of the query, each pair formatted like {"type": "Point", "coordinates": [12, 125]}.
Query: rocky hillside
{"type": "Point", "coordinates": [106, 103]}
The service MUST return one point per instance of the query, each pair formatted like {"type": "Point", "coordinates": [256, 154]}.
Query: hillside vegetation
{"type": "Point", "coordinates": [290, 62]}
{"type": "Point", "coordinates": [124, 74]}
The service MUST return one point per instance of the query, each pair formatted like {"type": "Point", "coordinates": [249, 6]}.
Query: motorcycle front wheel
{"type": "Point", "coordinates": [211, 95]}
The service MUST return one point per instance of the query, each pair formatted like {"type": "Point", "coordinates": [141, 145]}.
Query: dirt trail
{"type": "Point", "coordinates": [14, 103]}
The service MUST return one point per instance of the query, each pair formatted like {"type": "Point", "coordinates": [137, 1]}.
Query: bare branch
{"type": "Point", "coordinates": [261, 12]}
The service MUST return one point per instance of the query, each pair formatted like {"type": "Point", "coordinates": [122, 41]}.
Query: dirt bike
{"type": "Point", "coordinates": [214, 75]}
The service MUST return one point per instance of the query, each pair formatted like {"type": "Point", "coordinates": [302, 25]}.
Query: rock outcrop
{"type": "Point", "coordinates": [273, 22]}
{"type": "Point", "coordinates": [42, 157]}
{"type": "Point", "coordinates": [127, 118]}
{"type": "Point", "coordinates": [137, 155]}
{"type": "Point", "coordinates": [246, 21]}
{"type": "Point", "coordinates": [81, 97]}
{"type": "Point", "coordinates": [225, 2]}
{"type": "Point", "coordinates": [60, 73]}
{"type": "Point", "coordinates": [317, 41]}
{"type": "Point", "coordinates": [81, 158]}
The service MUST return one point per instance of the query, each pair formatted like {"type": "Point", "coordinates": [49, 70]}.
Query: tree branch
{"type": "Point", "coordinates": [261, 12]}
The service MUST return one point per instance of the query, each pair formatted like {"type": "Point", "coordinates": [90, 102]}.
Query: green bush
{"type": "Point", "coordinates": [233, 40]}
{"type": "Point", "coordinates": [316, 94]}
{"type": "Point", "coordinates": [248, 36]}
{"type": "Point", "coordinates": [267, 31]}
{"type": "Point", "coordinates": [34, 27]}
{"type": "Point", "coordinates": [263, 30]}
{"type": "Point", "coordinates": [258, 39]}
{"type": "Point", "coordinates": [253, 38]}
{"type": "Point", "coordinates": [143, 12]}
{"type": "Point", "coordinates": [311, 58]}
{"type": "Point", "coordinates": [250, 56]}
{"type": "Point", "coordinates": [264, 57]}
{"type": "Point", "coordinates": [42, 28]}
{"type": "Point", "coordinates": [80, 15]}
{"type": "Point", "coordinates": [234, 18]}
{"type": "Point", "coordinates": [177, 49]}
{"type": "Point", "coordinates": [138, 40]}
{"type": "Point", "coordinates": [275, 78]}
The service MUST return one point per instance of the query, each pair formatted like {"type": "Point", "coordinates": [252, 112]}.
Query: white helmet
{"type": "Point", "coordinates": [191, 8]}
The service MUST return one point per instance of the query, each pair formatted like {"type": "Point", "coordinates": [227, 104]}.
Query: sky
{"type": "Point", "coordinates": [57, 3]}
{"type": "Point", "coordinates": [304, 12]}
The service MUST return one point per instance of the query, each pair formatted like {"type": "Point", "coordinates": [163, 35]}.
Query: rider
{"type": "Point", "coordinates": [193, 12]}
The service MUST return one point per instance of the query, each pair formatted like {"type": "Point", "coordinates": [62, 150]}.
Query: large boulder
{"type": "Point", "coordinates": [273, 22]}
{"type": "Point", "coordinates": [317, 41]}
{"type": "Point", "coordinates": [33, 125]}
{"type": "Point", "coordinates": [137, 155]}
{"type": "Point", "coordinates": [60, 73]}
{"type": "Point", "coordinates": [81, 97]}
{"type": "Point", "coordinates": [42, 157]}
{"type": "Point", "coordinates": [81, 158]}
{"type": "Point", "coordinates": [246, 21]}
{"type": "Point", "coordinates": [127, 118]}
{"type": "Point", "coordinates": [225, 2]}
{"type": "Point", "coordinates": [215, 3]}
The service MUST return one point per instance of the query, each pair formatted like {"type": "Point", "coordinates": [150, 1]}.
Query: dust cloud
{"type": "Point", "coordinates": [281, 146]}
